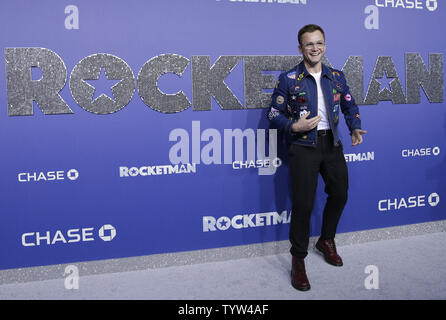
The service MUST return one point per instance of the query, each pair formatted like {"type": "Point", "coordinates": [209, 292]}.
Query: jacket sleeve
{"type": "Point", "coordinates": [348, 105]}
{"type": "Point", "coordinates": [278, 113]}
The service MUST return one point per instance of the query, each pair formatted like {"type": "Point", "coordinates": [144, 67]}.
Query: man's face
{"type": "Point", "coordinates": [312, 47]}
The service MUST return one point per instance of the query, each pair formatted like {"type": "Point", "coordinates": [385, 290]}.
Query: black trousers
{"type": "Point", "coordinates": [305, 165]}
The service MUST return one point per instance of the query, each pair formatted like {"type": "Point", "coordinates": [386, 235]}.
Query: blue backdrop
{"type": "Point", "coordinates": [177, 160]}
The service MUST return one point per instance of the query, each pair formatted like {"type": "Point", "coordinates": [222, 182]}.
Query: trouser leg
{"type": "Point", "coordinates": [304, 170]}
{"type": "Point", "coordinates": [335, 174]}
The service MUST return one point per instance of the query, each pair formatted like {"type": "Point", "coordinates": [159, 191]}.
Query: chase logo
{"type": "Point", "coordinates": [48, 176]}
{"type": "Point", "coordinates": [50, 237]}
{"type": "Point", "coordinates": [107, 232]}
{"type": "Point", "coordinates": [433, 199]}
{"type": "Point", "coordinates": [73, 174]}
{"type": "Point", "coordinates": [408, 202]}
{"type": "Point", "coordinates": [431, 5]}
{"type": "Point", "coordinates": [420, 152]}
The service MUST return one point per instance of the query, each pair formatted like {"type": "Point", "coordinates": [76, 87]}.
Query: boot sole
{"type": "Point", "coordinates": [301, 288]}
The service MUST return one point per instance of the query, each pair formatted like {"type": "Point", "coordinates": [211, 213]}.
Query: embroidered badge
{"type": "Point", "coordinates": [303, 113]}
{"type": "Point", "coordinates": [348, 97]}
{"type": "Point", "coordinates": [273, 113]}
{"type": "Point", "coordinates": [336, 97]}
{"type": "Point", "coordinates": [280, 100]}
{"type": "Point", "coordinates": [292, 75]}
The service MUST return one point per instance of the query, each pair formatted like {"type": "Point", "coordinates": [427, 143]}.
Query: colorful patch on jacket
{"type": "Point", "coordinates": [301, 99]}
{"type": "Point", "coordinates": [273, 113]}
{"type": "Point", "coordinates": [301, 76]}
{"type": "Point", "coordinates": [336, 97]}
{"type": "Point", "coordinates": [336, 73]}
{"type": "Point", "coordinates": [292, 75]}
{"type": "Point", "coordinates": [348, 97]}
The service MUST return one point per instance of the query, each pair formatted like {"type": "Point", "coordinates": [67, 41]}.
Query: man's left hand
{"type": "Point", "coordinates": [357, 136]}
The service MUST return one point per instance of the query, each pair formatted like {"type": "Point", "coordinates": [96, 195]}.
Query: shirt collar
{"type": "Point", "coordinates": [301, 69]}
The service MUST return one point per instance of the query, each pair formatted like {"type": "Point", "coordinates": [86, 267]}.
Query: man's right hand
{"type": "Point", "coordinates": [305, 124]}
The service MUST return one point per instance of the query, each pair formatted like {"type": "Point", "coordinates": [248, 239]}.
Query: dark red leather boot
{"type": "Point", "coordinates": [299, 278]}
{"type": "Point", "coordinates": [328, 249]}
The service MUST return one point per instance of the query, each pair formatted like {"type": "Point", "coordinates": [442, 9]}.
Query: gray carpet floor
{"type": "Point", "coordinates": [402, 269]}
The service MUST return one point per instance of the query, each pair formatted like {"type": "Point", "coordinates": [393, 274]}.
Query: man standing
{"type": "Point", "coordinates": [306, 104]}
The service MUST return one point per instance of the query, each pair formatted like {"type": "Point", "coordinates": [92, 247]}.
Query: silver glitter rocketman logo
{"type": "Point", "coordinates": [208, 81]}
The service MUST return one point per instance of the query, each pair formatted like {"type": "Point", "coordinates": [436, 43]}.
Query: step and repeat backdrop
{"type": "Point", "coordinates": [132, 128]}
